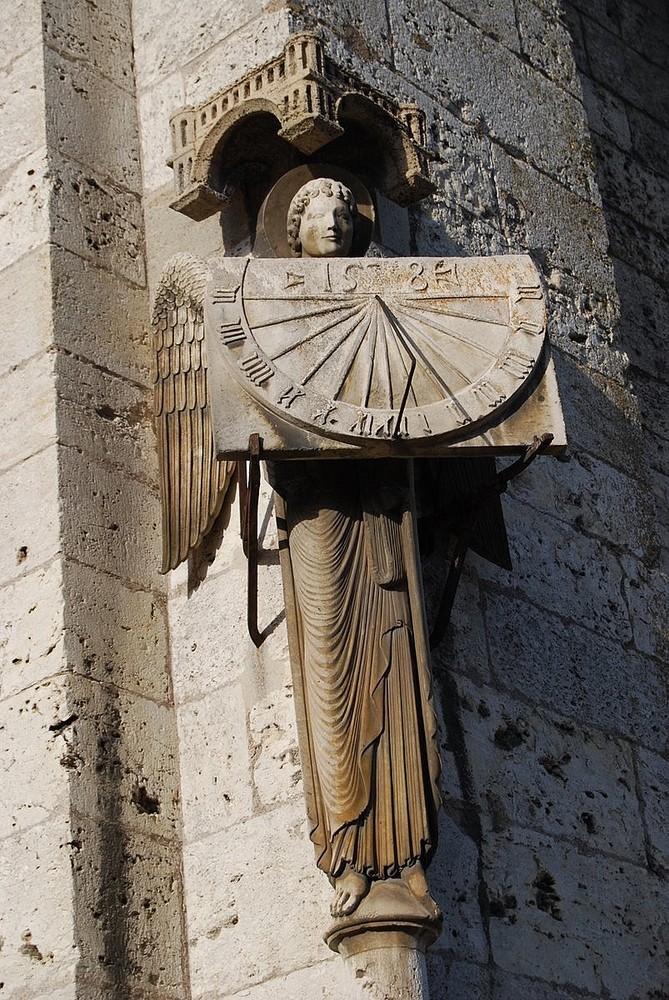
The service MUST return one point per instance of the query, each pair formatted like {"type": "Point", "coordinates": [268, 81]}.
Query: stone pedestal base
{"type": "Point", "coordinates": [383, 943]}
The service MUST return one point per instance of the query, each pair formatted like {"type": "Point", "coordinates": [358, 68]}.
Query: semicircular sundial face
{"type": "Point", "coordinates": [381, 348]}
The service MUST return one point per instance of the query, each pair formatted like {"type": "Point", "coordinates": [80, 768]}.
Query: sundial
{"type": "Point", "coordinates": [378, 354]}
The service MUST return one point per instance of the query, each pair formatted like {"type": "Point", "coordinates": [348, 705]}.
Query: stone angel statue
{"type": "Point", "coordinates": [302, 343]}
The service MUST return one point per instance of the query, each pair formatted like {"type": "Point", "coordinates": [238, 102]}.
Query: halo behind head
{"type": "Point", "coordinates": [271, 235]}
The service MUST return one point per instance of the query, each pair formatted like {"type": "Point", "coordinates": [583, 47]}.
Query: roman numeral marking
{"type": "Point", "coordinates": [256, 369]}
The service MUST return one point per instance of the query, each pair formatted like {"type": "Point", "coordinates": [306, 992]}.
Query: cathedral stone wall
{"type": "Point", "coordinates": [153, 840]}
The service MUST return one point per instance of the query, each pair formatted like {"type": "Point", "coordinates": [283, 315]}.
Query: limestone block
{"type": "Point", "coordinates": [574, 919]}
{"type": "Point", "coordinates": [646, 591]}
{"type": "Point", "coordinates": [506, 986]}
{"type": "Point", "coordinates": [650, 140]}
{"type": "Point", "coordinates": [129, 913]}
{"type": "Point", "coordinates": [467, 175]}
{"type": "Point", "coordinates": [100, 316]}
{"type": "Point", "coordinates": [644, 311]}
{"type": "Point", "coordinates": [537, 770]}
{"type": "Point", "coordinates": [488, 84]}
{"type": "Point", "coordinates": [601, 416]}
{"type": "Point", "coordinates": [24, 208]}
{"type": "Point", "coordinates": [534, 209]}
{"type": "Point", "coordinates": [29, 514]}
{"type": "Point", "coordinates": [577, 577]}
{"type": "Point", "coordinates": [325, 981]}
{"type": "Point", "coordinates": [276, 773]}
{"type": "Point", "coordinates": [215, 768]}
{"type": "Point", "coordinates": [449, 230]}
{"type": "Point", "coordinates": [120, 752]}
{"type": "Point", "coordinates": [593, 497]}
{"type": "Point", "coordinates": [643, 249]}
{"type": "Point", "coordinates": [22, 111]}
{"type": "Point", "coordinates": [654, 788]}
{"type": "Point", "coordinates": [209, 639]}
{"type": "Point", "coordinates": [464, 980]}
{"type": "Point", "coordinates": [653, 400]}
{"type": "Point", "coordinates": [116, 633]}
{"type": "Point", "coordinates": [607, 114]}
{"type": "Point", "coordinates": [200, 28]}
{"type": "Point", "coordinates": [361, 25]}
{"type": "Point", "coordinates": [109, 520]}
{"type": "Point", "coordinates": [496, 20]}
{"type": "Point", "coordinates": [25, 287]}
{"type": "Point", "coordinates": [546, 42]}
{"type": "Point", "coordinates": [465, 648]}
{"type": "Point", "coordinates": [36, 783]}
{"type": "Point", "coordinates": [154, 107]}
{"type": "Point", "coordinates": [98, 36]}
{"type": "Point", "coordinates": [104, 416]}
{"type": "Point", "coordinates": [247, 890]}
{"type": "Point", "coordinates": [98, 221]}
{"type": "Point", "coordinates": [27, 13]}
{"type": "Point", "coordinates": [583, 321]}
{"type": "Point", "coordinates": [632, 188]}
{"type": "Point", "coordinates": [32, 640]}
{"type": "Point", "coordinates": [547, 661]}
{"type": "Point", "coordinates": [31, 427]}
{"type": "Point", "coordinates": [627, 73]}
{"type": "Point", "coordinates": [169, 232]}
{"type": "Point", "coordinates": [454, 885]}
{"type": "Point", "coordinates": [393, 224]}
{"type": "Point", "coordinates": [92, 121]}
{"type": "Point", "coordinates": [230, 58]}
{"type": "Point", "coordinates": [38, 951]}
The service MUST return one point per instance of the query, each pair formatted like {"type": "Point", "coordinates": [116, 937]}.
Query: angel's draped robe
{"type": "Point", "coordinates": [360, 663]}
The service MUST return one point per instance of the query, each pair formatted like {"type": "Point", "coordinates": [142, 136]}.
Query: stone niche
{"type": "Point", "coordinates": [230, 150]}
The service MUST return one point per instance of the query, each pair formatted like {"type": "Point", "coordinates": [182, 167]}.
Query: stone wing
{"type": "Point", "coordinates": [193, 481]}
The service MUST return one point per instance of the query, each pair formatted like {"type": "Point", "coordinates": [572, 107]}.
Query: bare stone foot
{"type": "Point", "coordinates": [414, 878]}
{"type": "Point", "coordinates": [350, 889]}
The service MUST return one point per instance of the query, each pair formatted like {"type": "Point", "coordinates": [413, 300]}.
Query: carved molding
{"type": "Point", "coordinates": [311, 97]}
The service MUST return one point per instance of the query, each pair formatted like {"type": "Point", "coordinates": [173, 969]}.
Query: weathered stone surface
{"type": "Point", "coordinates": [546, 42]}
{"type": "Point", "coordinates": [116, 633]}
{"type": "Point", "coordinates": [454, 884]}
{"type": "Point", "coordinates": [646, 590]}
{"type": "Point", "coordinates": [644, 307]}
{"type": "Point", "coordinates": [38, 942]}
{"type": "Point", "coordinates": [654, 790]}
{"type": "Point", "coordinates": [30, 535]}
{"type": "Point", "coordinates": [545, 773]}
{"type": "Point", "coordinates": [109, 520]}
{"type": "Point", "coordinates": [31, 428]}
{"type": "Point", "coordinates": [96, 122]}
{"type": "Point", "coordinates": [584, 492]}
{"type": "Point", "coordinates": [93, 36]}
{"type": "Point", "coordinates": [632, 189]}
{"type": "Point", "coordinates": [26, 294]}
{"type": "Point", "coordinates": [98, 221]}
{"type": "Point", "coordinates": [496, 20]}
{"type": "Point", "coordinates": [486, 84]}
{"type": "Point", "coordinates": [276, 773]}
{"type": "Point", "coordinates": [579, 579]}
{"type": "Point", "coordinates": [650, 140]}
{"type": "Point", "coordinates": [216, 774]}
{"type": "Point", "coordinates": [24, 216]}
{"type": "Point", "coordinates": [112, 317]}
{"type": "Point", "coordinates": [325, 981]}
{"type": "Point", "coordinates": [361, 27]}
{"type": "Point", "coordinates": [589, 678]}
{"type": "Point", "coordinates": [272, 862]}
{"type": "Point", "coordinates": [128, 915]}
{"type": "Point", "coordinates": [120, 752]}
{"type": "Point", "coordinates": [37, 783]}
{"type": "Point", "coordinates": [32, 637]}
{"type": "Point", "coordinates": [14, 43]}
{"type": "Point", "coordinates": [102, 415]}
{"type": "Point", "coordinates": [22, 110]}
{"type": "Point", "coordinates": [154, 107]}
{"type": "Point", "coordinates": [607, 114]}
{"type": "Point", "coordinates": [552, 925]}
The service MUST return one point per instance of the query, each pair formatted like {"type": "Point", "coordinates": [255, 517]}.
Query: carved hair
{"type": "Point", "coordinates": [323, 185]}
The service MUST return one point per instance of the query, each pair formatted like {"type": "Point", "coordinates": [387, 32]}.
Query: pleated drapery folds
{"type": "Point", "coordinates": [362, 673]}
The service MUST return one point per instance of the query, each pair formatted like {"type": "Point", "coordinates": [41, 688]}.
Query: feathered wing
{"type": "Point", "coordinates": [193, 481]}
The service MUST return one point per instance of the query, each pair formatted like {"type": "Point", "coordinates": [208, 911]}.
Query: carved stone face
{"type": "Point", "coordinates": [326, 227]}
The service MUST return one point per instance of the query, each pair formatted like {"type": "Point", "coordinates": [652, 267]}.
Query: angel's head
{"type": "Point", "coordinates": [321, 219]}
